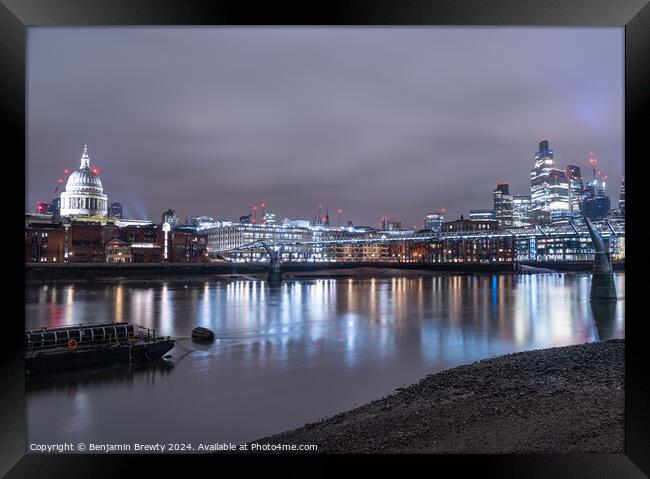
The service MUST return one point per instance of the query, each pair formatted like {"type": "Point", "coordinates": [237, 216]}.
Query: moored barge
{"type": "Point", "coordinates": [73, 347]}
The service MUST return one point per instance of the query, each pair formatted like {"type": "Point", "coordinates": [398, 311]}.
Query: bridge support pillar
{"type": "Point", "coordinates": [274, 277]}
{"type": "Point", "coordinates": [602, 280]}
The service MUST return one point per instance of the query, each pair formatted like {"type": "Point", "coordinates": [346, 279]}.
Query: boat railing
{"type": "Point", "coordinates": [138, 335]}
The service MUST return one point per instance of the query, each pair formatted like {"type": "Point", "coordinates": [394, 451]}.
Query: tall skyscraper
{"type": "Point", "coordinates": [576, 187]}
{"type": "Point", "coordinates": [621, 199]}
{"type": "Point", "coordinates": [503, 204]}
{"type": "Point", "coordinates": [549, 187]}
{"type": "Point", "coordinates": [520, 210]}
{"type": "Point", "coordinates": [558, 190]}
{"type": "Point", "coordinates": [596, 203]}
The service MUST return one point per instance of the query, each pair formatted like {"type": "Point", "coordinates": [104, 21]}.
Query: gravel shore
{"type": "Point", "coordinates": [558, 400]}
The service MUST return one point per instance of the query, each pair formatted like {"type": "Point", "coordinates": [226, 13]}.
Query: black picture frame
{"type": "Point", "coordinates": [633, 15]}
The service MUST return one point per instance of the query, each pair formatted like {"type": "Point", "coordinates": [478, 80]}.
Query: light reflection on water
{"type": "Point", "coordinates": [293, 354]}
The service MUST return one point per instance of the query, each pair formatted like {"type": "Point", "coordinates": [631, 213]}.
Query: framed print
{"type": "Point", "coordinates": [277, 233]}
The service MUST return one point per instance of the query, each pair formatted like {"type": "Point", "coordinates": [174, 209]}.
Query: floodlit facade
{"type": "Point", "coordinates": [84, 193]}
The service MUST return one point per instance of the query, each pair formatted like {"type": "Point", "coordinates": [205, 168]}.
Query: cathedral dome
{"type": "Point", "coordinates": [84, 180]}
{"type": "Point", "coordinates": [84, 193]}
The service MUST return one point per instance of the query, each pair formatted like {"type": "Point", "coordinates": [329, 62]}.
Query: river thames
{"type": "Point", "coordinates": [294, 354]}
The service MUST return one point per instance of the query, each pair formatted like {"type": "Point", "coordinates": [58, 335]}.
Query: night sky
{"type": "Point", "coordinates": [376, 121]}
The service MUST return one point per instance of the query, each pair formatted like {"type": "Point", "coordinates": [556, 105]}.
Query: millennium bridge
{"type": "Point", "coordinates": [565, 241]}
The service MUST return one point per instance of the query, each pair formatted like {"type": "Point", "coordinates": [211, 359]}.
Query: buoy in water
{"type": "Point", "coordinates": [202, 334]}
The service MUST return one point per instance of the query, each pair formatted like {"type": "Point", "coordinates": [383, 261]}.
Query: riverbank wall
{"type": "Point", "coordinates": [106, 271]}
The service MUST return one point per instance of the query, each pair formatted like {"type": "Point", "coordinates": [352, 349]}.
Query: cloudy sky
{"type": "Point", "coordinates": [375, 121]}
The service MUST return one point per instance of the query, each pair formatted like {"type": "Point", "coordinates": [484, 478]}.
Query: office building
{"type": "Point", "coordinates": [502, 204]}
{"type": "Point", "coordinates": [520, 210]}
{"type": "Point", "coordinates": [433, 222]}
{"type": "Point", "coordinates": [481, 215]}
{"type": "Point", "coordinates": [549, 187]}
{"type": "Point", "coordinates": [115, 210]}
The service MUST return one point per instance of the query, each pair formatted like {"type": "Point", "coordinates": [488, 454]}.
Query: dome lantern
{"type": "Point", "coordinates": [85, 161]}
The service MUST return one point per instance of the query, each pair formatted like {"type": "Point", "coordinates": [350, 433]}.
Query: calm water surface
{"type": "Point", "coordinates": [295, 354]}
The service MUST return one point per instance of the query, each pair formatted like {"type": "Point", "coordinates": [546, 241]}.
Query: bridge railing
{"type": "Point", "coordinates": [607, 229]}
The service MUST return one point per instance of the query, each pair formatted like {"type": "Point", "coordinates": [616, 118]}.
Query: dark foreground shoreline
{"type": "Point", "coordinates": [559, 400]}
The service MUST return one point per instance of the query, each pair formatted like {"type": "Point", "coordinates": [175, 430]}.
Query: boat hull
{"type": "Point", "coordinates": [60, 360]}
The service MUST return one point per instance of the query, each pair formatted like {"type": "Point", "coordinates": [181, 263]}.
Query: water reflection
{"type": "Point", "coordinates": [309, 348]}
{"type": "Point", "coordinates": [71, 382]}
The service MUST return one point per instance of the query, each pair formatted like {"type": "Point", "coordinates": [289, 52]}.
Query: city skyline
{"type": "Point", "coordinates": [383, 141]}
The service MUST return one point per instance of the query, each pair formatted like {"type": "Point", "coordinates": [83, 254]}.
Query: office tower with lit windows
{"type": "Point", "coordinates": [434, 221]}
{"type": "Point", "coordinates": [558, 191]}
{"type": "Point", "coordinates": [520, 210]}
{"type": "Point", "coordinates": [503, 204]}
{"type": "Point", "coordinates": [549, 187]}
{"type": "Point", "coordinates": [596, 203]}
{"type": "Point", "coordinates": [576, 187]}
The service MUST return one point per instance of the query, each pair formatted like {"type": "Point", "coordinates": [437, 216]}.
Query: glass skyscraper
{"type": "Point", "coordinates": [549, 187]}
{"type": "Point", "coordinates": [576, 187]}
{"type": "Point", "coordinates": [503, 204]}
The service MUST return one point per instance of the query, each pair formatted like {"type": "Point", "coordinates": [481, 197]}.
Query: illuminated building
{"type": "Point", "coordinates": [481, 215]}
{"type": "Point", "coordinates": [549, 187]}
{"type": "Point", "coordinates": [201, 220]}
{"type": "Point", "coordinates": [117, 251]}
{"type": "Point", "coordinates": [391, 224]}
{"type": "Point", "coordinates": [520, 210]}
{"type": "Point", "coordinates": [45, 243]}
{"type": "Point", "coordinates": [434, 221]}
{"type": "Point", "coordinates": [470, 225]}
{"type": "Point", "coordinates": [226, 236]}
{"type": "Point", "coordinates": [84, 194]}
{"type": "Point", "coordinates": [502, 204]}
{"type": "Point", "coordinates": [621, 200]}
{"type": "Point", "coordinates": [576, 187]}
{"type": "Point", "coordinates": [561, 242]}
{"type": "Point", "coordinates": [169, 216]}
{"type": "Point", "coordinates": [188, 247]}
{"type": "Point", "coordinates": [115, 210]}
{"type": "Point", "coordinates": [595, 203]}
{"type": "Point", "coordinates": [268, 218]}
